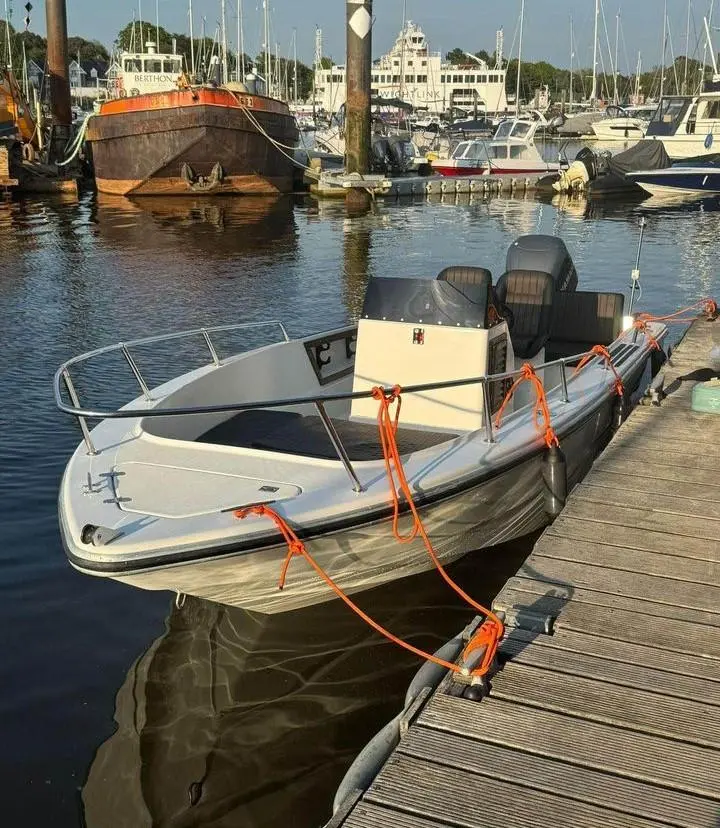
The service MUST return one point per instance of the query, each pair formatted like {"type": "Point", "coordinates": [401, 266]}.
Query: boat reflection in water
{"type": "Point", "coordinates": [236, 719]}
{"type": "Point", "coordinates": [214, 226]}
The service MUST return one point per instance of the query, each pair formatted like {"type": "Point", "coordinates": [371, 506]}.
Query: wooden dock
{"type": "Point", "coordinates": [606, 711]}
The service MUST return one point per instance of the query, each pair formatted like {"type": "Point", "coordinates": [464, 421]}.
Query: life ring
{"type": "Point", "coordinates": [28, 152]}
{"type": "Point", "coordinates": [134, 92]}
{"type": "Point", "coordinates": [122, 93]}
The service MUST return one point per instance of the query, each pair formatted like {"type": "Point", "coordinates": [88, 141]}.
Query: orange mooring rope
{"type": "Point", "coordinates": [708, 308]}
{"type": "Point", "coordinates": [490, 632]}
{"type": "Point", "coordinates": [541, 409]}
{"type": "Point", "coordinates": [602, 351]}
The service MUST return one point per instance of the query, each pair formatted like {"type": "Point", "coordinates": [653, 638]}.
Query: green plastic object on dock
{"type": "Point", "coordinates": [706, 397]}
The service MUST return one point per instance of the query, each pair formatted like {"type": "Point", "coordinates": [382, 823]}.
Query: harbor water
{"type": "Point", "coordinates": [125, 708]}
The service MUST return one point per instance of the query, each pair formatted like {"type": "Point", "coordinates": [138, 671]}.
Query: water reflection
{"type": "Point", "coordinates": [232, 718]}
{"type": "Point", "coordinates": [214, 226]}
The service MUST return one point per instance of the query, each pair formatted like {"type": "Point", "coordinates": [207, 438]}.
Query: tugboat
{"type": "Point", "coordinates": [160, 134]}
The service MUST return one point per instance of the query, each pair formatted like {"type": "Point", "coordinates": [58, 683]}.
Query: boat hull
{"type": "Point", "coordinates": [700, 181]}
{"type": "Point", "coordinates": [505, 506]}
{"type": "Point", "coordinates": [174, 144]}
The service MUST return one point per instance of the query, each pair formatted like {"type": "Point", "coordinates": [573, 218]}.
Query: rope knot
{"type": "Point", "coordinates": [602, 352]}
{"type": "Point", "coordinates": [541, 409]}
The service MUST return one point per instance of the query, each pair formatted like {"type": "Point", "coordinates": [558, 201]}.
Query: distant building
{"type": "Point", "coordinates": [88, 79]}
{"type": "Point", "coordinates": [420, 77]}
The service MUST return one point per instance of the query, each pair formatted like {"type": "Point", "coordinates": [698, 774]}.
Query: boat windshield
{"type": "Point", "coordinates": [503, 131]}
{"type": "Point", "coordinates": [471, 151]}
{"type": "Point", "coordinates": [668, 116]}
{"type": "Point", "coordinates": [460, 149]}
{"type": "Point", "coordinates": [520, 130]}
{"type": "Point", "coordinates": [669, 109]}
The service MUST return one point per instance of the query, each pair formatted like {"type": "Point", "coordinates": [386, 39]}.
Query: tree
{"type": "Point", "coordinates": [87, 49]}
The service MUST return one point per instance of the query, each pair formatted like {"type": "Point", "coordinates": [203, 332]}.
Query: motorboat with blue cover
{"type": "Point", "coordinates": [149, 497]}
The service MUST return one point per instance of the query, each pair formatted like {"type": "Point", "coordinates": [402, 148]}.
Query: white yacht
{"type": "Point", "coordinates": [150, 497]}
{"type": "Point", "coordinates": [688, 126]}
{"type": "Point", "coordinates": [620, 124]}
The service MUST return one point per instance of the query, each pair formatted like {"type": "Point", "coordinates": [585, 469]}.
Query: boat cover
{"type": "Point", "coordinates": [645, 155]}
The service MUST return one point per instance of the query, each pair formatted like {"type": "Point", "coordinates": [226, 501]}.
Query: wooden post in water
{"type": "Point", "coordinates": [358, 78]}
{"type": "Point", "coordinates": [58, 75]}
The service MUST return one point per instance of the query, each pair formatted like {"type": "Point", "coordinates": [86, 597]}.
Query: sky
{"type": "Point", "coordinates": [468, 24]}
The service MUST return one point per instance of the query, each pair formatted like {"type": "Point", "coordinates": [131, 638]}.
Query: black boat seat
{"type": "Point", "coordinates": [529, 296]}
{"type": "Point", "coordinates": [467, 275]}
{"type": "Point", "coordinates": [582, 319]}
{"type": "Point", "coordinates": [461, 274]}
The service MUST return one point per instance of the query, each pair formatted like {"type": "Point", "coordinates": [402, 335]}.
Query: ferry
{"type": "Point", "coordinates": [411, 72]}
{"type": "Point", "coordinates": [161, 134]}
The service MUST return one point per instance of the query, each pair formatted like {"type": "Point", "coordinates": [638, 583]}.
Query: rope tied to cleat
{"type": "Point", "coordinates": [541, 409]}
{"type": "Point", "coordinates": [602, 352]}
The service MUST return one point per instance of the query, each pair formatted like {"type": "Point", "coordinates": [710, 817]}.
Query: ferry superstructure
{"type": "Point", "coordinates": [412, 72]}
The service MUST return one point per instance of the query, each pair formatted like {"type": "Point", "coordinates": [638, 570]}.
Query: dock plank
{"type": "Point", "coordinates": [645, 481]}
{"type": "Point", "coordinates": [632, 539]}
{"type": "Point", "coordinates": [583, 742]}
{"type": "Point", "coordinates": [589, 508]}
{"type": "Point", "coordinates": [608, 556]}
{"type": "Point", "coordinates": [622, 619]}
{"type": "Point", "coordinates": [573, 782]}
{"type": "Point", "coordinates": [621, 651]}
{"type": "Point", "coordinates": [679, 507]}
{"type": "Point", "coordinates": [692, 721]}
{"type": "Point", "coordinates": [644, 468]}
{"type": "Point", "coordinates": [644, 675]}
{"type": "Point", "coordinates": [427, 789]}
{"type": "Point", "coordinates": [623, 582]}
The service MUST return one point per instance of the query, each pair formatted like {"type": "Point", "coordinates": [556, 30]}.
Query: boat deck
{"type": "Point", "coordinates": [606, 710]}
{"type": "Point", "coordinates": [291, 433]}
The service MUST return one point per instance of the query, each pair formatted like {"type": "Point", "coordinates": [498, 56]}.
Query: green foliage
{"type": "Point", "coordinates": [87, 49]}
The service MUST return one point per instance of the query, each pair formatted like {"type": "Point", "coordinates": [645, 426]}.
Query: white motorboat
{"type": "Point", "coordinates": [620, 124]}
{"type": "Point", "coordinates": [511, 151]}
{"type": "Point", "coordinates": [150, 495]}
{"type": "Point", "coordinates": [688, 125]}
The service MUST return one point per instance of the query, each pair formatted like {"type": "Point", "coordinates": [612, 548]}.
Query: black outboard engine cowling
{"type": "Point", "coordinates": [546, 254]}
{"type": "Point", "coordinates": [538, 268]}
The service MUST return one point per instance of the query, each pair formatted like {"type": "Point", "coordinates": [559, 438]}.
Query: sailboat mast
{"type": "Point", "coordinates": [223, 37]}
{"type": "Point", "coordinates": [662, 69]}
{"type": "Point", "coordinates": [637, 78]}
{"type": "Point", "coordinates": [517, 85]}
{"type": "Point", "coordinates": [593, 94]}
{"type": "Point", "coordinates": [267, 46]}
{"type": "Point", "coordinates": [241, 44]}
{"type": "Point", "coordinates": [157, 25]}
{"type": "Point", "coordinates": [8, 49]}
{"type": "Point", "coordinates": [572, 55]}
{"type": "Point", "coordinates": [687, 48]}
{"type": "Point", "coordinates": [402, 52]}
{"type": "Point", "coordinates": [142, 36]}
{"type": "Point", "coordinates": [192, 40]}
{"type": "Point", "coordinates": [615, 67]}
{"type": "Point", "coordinates": [295, 76]}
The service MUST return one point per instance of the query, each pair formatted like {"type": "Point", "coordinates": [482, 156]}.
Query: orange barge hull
{"type": "Point", "coordinates": [210, 141]}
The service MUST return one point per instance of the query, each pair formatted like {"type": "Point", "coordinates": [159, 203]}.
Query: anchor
{"type": "Point", "coordinates": [200, 182]}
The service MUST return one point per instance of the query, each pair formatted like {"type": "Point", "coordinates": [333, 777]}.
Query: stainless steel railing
{"type": "Point", "coordinates": [620, 351]}
{"type": "Point", "coordinates": [62, 375]}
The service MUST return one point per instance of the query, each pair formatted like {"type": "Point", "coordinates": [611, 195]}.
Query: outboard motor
{"type": "Point", "coordinates": [538, 268]}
